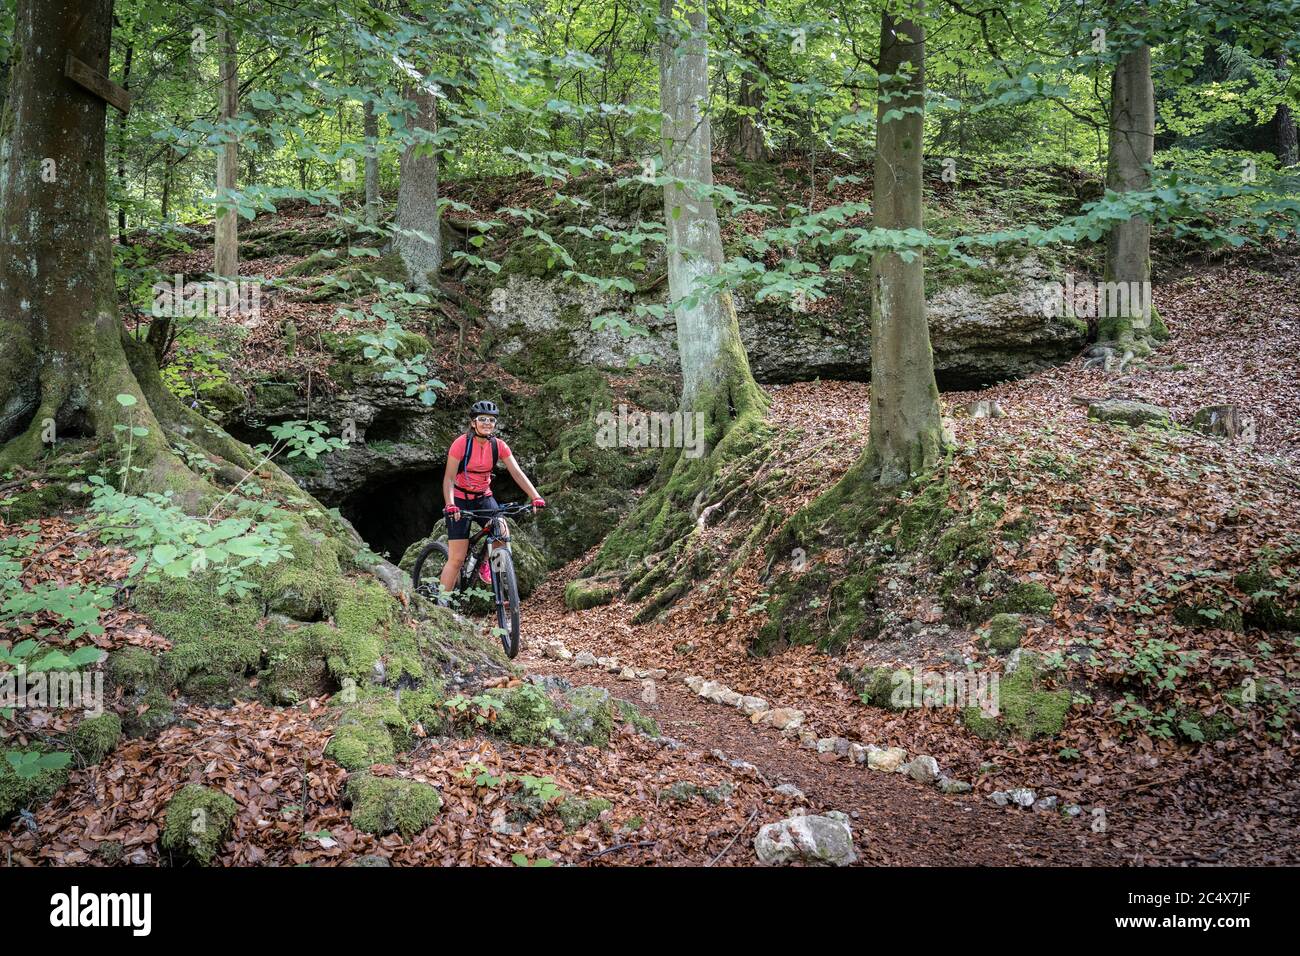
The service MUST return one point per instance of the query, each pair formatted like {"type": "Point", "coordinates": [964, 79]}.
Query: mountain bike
{"type": "Point", "coordinates": [501, 569]}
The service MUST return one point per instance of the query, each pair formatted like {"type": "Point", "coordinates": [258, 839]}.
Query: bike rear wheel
{"type": "Point", "coordinates": [505, 589]}
{"type": "Point", "coordinates": [428, 569]}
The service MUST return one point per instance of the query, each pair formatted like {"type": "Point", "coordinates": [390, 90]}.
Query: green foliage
{"type": "Point", "coordinates": [308, 439]}
{"type": "Point", "coordinates": [168, 542]}
{"type": "Point", "coordinates": [527, 716]}
{"type": "Point", "coordinates": [28, 778]}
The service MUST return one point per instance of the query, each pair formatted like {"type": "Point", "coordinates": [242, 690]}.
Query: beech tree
{"type": "Point", "coordinates": [418, 239]}
{"type": "Point", "coordinates": [226, 242]}
{"type": "Point", "coordinates": [906, 436]}
{"type": "Point", "coordinates": [716, 379]}
{"type": "Point", "coordinates": [1128, 164]}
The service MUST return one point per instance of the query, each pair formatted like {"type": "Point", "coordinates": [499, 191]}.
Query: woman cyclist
{"type": "Point", "coordinates": [467, 483]}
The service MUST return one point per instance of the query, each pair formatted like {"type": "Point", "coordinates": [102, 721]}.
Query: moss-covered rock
{"type": "Point", "coordinates": [370, 732]}
{"type": "Point", "coordinates": [639, 721]}
{"type": "Point", "coordinates": [1025, 597]}
{"type": "Point", "coordinates": [145, 686]}
{"type": "Point", "coordinates": [1270, 609]}
{"type": "Point", "coordinates": [581, 594]}
{"type": "Point", "coordinates": [1026, 707]}
{"type": "Point", "coordinates": [1207, 616]}
{"type": "Point", "coordinates": [1004, 633]}
{"type": "Point", "coordinates": [1196, 727]}
{"type": "Point", "coordinates": [528, 716]}
{"type": "Point", "coordinates": [198, 821]}
{"type": "Point", "coordinates": [391, 804]}
{"type": "Point", "coordinates": [132, 669]}
{"type": "Point", "coordinates": [95, 737]}
{"type": "Point", "coordinates": [423, 706]}
{"type": "Point", "coordinates": [576, 812]}
{"type": "Point", "coordinates": [884, 687]}
{"type": "Point", "coordinates": [216, 643]}
{"type": "Point", "coordinates": [588, 717]}
{"type": "Point", "coordinates": [295, 668]}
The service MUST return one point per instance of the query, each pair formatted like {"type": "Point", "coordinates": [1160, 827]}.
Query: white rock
{"type": "Point", "coordinates": [752, 705]}
{"type": "Point", "coordinates": [1045, 803]}
{"type": "Point", "coordinates": [923, 769]}
{"type": "Point", "coordinates": [694, 682]}
{"type": "Point", "coordinates": [585, 659]}
{"type": "Point", "coordinates": [628, 673]}
{"type": "Point", "coordinates": [858, 753]}
{"type": "Point", "coordinates": [649, 695]}
{"type": "Point", "coordinates": [791, 791]}
{"type": "Point", "coordinates": [820, 840]}
{"type": "Point", "coordinates": [1000, 798]}
{"type": "Point", "coordinates": [728, 697]}
{"type": "Point", "coordinates": [554, 650]}
{"type": "Point", "coordinates": [1022, 796]}
{"type": "Point", "coordinates": [657, 673]}
{"type": "Point", "coordinates": [886, 761]}
{"type": "Point", "coordinates": [782, 718]}
{"type": "Point", "coordinates": [826, 745]}
{"type": "Point", "coordinates": [709, 689]}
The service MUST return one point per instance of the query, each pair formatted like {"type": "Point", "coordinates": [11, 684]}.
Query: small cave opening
{"type": "Point", "coordinates": [392, 512]}
{"type": "Point", "coordinates": [386, 427]}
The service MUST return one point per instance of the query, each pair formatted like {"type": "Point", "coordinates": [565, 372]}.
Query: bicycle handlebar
{"type": "Point", "coordinates": [501, 512]}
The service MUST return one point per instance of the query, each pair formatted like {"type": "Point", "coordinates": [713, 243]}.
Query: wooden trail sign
{"type": "Point", "coordinates": [101, 86]}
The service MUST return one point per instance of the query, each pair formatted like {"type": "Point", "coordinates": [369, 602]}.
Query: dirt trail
{"type": "Point", "coordinates": [896, 821]}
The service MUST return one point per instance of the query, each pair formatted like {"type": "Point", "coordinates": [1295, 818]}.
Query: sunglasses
{"type": "Point", "coordinates": [486, 420]}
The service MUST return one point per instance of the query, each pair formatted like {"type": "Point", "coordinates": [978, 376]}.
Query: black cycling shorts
{"type": "Point", "coordinates": [458, 530]}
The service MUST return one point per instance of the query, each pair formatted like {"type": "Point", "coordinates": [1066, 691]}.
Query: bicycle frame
{"type": "Point", "coordinates": [493, 532]}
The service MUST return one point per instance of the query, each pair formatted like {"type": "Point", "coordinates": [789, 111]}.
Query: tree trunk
{"type": "Point", "coordinates": [371, 134]}
{"type": "Point", "coordinates": [716, 379]}
{"type": "Point", "coordinates": [1128, 246]}
{"type": "Point", "coordinates": [906, 434]}
{"type": "Point", "coordinates": [419, 241]}
{"type": "Point", "coordinates": [121, 148]}
{"type": "Point", "coordinates": [226, 254]}
{"type": "Point", "coordinates": [1284, 129]}
{"type": "Point", "coordinates": [752, 147]}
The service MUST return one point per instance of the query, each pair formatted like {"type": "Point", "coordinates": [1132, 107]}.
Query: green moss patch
{"type": "Point", "coordinates": [1026, 707]}
{"type": "Point", "coordinates": [589, 717]}
{"type": "Point", "coordinates": [95, 737]}
{"type": "Point", "coordinates": [576, 812]}
{"type": "Point", "coordinates": [1005, 632]}
{"type": "Point", "coordinates": [1026, 597]}
{"type": "Point", "coordinates": [582, 594]}
{"type": "Point", "coordinates": [216, 644]}
{"type": "Point", "coordinates": [528, 716]}
{"type": "Point", "coordinates": [642, 724]}
{"type": "Point", "coordinates": [369, 732]}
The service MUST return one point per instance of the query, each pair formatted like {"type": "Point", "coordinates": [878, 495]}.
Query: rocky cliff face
{"type": "Point", "coordinates": [979, 336]}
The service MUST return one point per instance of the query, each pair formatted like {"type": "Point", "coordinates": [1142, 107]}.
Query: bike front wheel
{"type": "Point", "coordinates": [505, 589]}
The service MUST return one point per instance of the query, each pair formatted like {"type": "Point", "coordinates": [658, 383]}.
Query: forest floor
{"type": "Point", "coordinates": [698, 794]}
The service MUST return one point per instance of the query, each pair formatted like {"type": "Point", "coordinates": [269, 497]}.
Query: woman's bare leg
{"type": "Point", "coordinates": [456, 551]}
